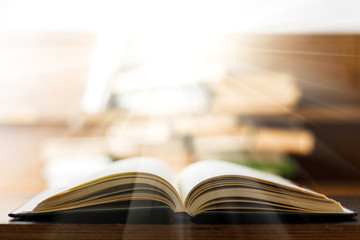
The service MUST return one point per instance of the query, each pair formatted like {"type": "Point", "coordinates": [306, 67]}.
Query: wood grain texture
{"type": "Point", "coordinates": [329, 231]}
{"type": "Point", "coordinates": [118, 231]}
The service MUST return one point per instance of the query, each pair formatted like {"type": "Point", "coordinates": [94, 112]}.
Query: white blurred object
{"type": "Point", "coordinates": [105, 61]}
{"type": "Point", "coordinates": [165, 101]}
{"type": "Point", "coordinates": [217, 15]}
{"type": "Point", "coordinates": [61, 171]}
{"type": "Point", "coordinates": [67, 159]}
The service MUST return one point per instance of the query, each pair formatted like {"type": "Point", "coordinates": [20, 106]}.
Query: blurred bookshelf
{"type": "Point", "coordinates": [294, 111]}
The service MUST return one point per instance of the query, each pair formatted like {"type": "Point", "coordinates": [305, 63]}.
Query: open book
{"type": "Point", "coordinates": [203, 187]}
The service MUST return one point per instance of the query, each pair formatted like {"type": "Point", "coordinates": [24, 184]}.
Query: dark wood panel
{"type": "Point", "coordinates": [336, 152]}
{"type": "Point", "coordinates": [66, 231]}
{"type": "Point", "coordinates": [334, 230]}
{"type": "Point", "coordinates": [333, 58]}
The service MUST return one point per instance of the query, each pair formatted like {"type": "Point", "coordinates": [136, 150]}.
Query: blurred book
{"type": "Point", "coordinates": [140, 131]}
{"type": "Point", "coordinates": [204, 124]}
{"type": "Point", "coordinates": [147, 137]}
{"type": "Point", "coordinates": [257, 93]}
{"type": "Point", "coordinates": [262, 139]}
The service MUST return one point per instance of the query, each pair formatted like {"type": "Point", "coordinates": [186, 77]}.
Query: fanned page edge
{"type": "Point", "coordinates": [194, 174]}
{"type": "Point", "coordinates": [32, 203]}
{"type": "Point", "coordinates": [187, 181]}
{"type": "Point", "coordinates": [135, 164]}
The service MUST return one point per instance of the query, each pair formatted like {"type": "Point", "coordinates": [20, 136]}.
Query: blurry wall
{"type": "Point", "coordinates": [46, 49]}
{"type": "Point", "coordinates": [43, 104]}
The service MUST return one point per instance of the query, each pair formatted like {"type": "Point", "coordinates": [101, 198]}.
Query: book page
{"type": "Point", "coordinates": [197, 172]}
{"type": "Point", "coordinates": [136, 165]}
{"type": "Point", "coordinates": [130, 165]}
{"type": "Point", "coordinates": [133, 165]}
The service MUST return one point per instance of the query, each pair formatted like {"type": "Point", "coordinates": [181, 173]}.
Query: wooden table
{"type": "Point", "coordinates": [323, 230]}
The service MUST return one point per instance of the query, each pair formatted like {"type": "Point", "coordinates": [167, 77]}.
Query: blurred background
{"type": "Point", "coordinates": [271, 85]}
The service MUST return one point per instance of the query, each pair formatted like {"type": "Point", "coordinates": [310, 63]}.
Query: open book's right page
{"type": "Point", "coordinates": [197, 172]}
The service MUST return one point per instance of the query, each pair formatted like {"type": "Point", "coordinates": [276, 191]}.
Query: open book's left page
{"type": "Point", "coordinates": [125, 180]}
{"type": "Point", "coordinates": [135, 165]}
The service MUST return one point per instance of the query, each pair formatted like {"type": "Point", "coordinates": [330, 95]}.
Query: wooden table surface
{"type": "Point", "coordinates": [349, 229]}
